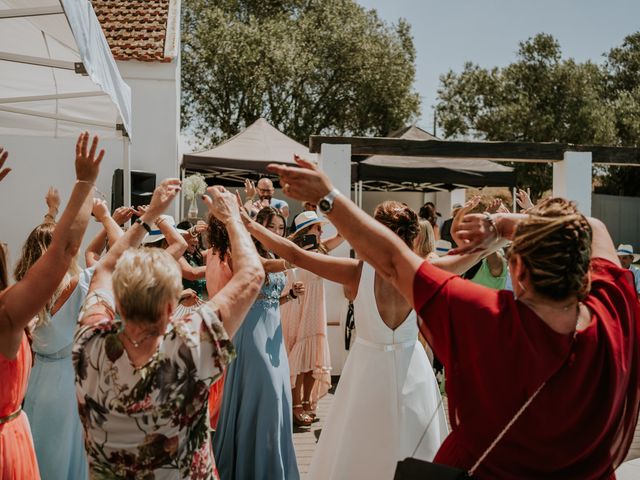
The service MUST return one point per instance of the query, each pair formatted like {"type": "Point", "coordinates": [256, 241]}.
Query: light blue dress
{"type": "Point", "coordinates": [50, 402]}
{"type": "Point", "coordinates": [254, 438]}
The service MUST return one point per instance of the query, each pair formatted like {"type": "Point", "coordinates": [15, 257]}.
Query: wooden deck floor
{"type": "Point", "coordinates": [305, 439]}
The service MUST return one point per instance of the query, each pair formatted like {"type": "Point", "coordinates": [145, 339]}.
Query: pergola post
{"type": "Point", "coordinates": [572, 179]}
{"type": "Point", "coordinates": [335, 161]}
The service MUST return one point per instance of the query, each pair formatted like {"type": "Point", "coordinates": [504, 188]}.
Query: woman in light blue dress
{"type": "Point", "coordinates": [254, 437]}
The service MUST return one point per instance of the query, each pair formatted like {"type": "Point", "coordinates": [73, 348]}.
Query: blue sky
{"type": "Point", "coordinates": [448, 33]}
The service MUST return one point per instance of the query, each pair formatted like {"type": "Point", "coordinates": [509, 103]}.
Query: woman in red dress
{"type": "Point", "coordinates": [22, 301]}
{"type": "Point", "coordinates": [571, 334]}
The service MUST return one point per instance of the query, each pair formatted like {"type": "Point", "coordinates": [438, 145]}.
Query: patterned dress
{"type": "Point", "coordinates": [150, 422]}
{"type": "Point", "coordinates": [254, 438]}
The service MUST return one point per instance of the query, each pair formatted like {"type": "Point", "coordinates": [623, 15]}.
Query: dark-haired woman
{"type": "Point", "coordinates": [387, 391]}
{"type": "Point", "coordinates": [563, 386]}
{"type": "Point", "coordinates": [193, 261]}
{"type": "Point", "coordinates": [254, 435]}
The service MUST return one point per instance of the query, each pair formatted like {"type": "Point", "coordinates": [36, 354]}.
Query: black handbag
{"type": "Point", "coordinates": [414, 469]}
{"type": "Point", "coordinates": [349, 325]}
{"type": "Point", "coordinates": [411, 468]}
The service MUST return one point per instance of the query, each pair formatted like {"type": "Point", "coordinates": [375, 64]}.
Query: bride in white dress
{"type": "Point", "coordinates": [387, 393]}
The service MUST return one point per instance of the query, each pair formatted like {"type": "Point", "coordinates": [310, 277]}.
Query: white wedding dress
{"type": "Point", "coordinates": [386, 396]}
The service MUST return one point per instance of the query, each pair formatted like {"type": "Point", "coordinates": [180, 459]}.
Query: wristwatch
{"type": "Point", "coordinates": [326, 203]}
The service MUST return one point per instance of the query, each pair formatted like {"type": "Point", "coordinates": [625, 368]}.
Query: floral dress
{"type": "Point", "coordinates": [150, 422]}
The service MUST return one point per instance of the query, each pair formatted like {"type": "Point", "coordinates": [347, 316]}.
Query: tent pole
{"type": "Point", "coordinates": [183, 173]}
{"type": "Point", "coordinates": [515, 203]}
{"type": "Point", "coordinates": [360, 194]}
{"type": "Point", "coordinates": [126, 170]}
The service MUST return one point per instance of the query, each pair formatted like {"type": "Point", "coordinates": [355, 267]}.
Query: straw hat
{"type": "Point", "coordinates": [306, 219]}
{"type": "Point", "coordinates": [442, 247]}
{"type": "Point", "coordinates": [627, 250]}
{"type": "Point", "coordinates": [156, 235]}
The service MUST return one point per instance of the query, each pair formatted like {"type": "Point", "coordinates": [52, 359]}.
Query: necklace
{"type": "Point", "coordinates": [141, 341]}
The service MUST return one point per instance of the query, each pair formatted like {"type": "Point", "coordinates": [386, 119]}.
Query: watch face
{"type": "Point", "coordinates": [325, 205]}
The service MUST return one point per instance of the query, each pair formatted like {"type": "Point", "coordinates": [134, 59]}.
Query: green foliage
{"type": "Point", "coordinates": [542, 98]}
{"type": "Point", "coordinates": [308, 67]}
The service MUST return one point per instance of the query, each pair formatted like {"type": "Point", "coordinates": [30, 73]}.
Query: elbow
{"type": "Point", "coordinates": [71, 249]}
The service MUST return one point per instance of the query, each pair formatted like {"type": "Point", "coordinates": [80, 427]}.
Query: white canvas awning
{"type": "Point", "coordinates": [57, 74]}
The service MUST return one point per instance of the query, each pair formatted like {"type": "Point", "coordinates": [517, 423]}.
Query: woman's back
{"type": "Point", "coordinates": [386, 396]}
{"type": "Point", "coordinates": [570, 428]}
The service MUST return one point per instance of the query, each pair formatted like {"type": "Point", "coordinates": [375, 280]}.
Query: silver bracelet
{"type": "Point", "coordinates": [493, 226]}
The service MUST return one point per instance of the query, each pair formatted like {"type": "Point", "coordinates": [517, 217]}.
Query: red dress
{"type": "Point", "coordinates": [497, 352]}
{"type": "Point", "coordinates": [17, 455]}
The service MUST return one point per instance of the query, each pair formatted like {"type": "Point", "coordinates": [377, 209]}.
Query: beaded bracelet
{"type": "Point", "coordinates": [493, 226]}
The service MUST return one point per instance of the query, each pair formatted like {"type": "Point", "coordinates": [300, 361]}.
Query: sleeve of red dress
{"type": "Point", "coordinates": [455, 313]}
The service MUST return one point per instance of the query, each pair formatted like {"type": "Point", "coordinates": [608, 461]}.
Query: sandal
{"type": "Point", "coordinates": [309, 412]}
{"type": "Point", "coordinates": [301, 419]}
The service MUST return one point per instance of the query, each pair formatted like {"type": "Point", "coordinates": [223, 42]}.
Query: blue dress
{"type": "Point", "coordinates": [50, 402]}
{"type": "Point", "coordinates": [254, 438]}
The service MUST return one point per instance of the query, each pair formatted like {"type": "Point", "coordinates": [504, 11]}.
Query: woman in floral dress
{"type": "Point", "coordinates": [142, 382]}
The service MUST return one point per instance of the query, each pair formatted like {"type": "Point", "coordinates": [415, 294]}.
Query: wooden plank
{"type": "Point", "coordinates": [541, 152]}
{"type": "Point", "coordinates": [363, 147]}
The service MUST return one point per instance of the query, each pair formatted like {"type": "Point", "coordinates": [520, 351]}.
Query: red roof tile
{"type": "Point", "coordinates": [135, 29]}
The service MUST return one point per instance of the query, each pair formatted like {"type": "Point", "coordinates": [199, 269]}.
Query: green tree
{"type": "Point", "coordinates": [309, 67]}
{"type": "Point", "coordinates": [538, 98]}
{"type": "Point", "coordinates": [623, 93]}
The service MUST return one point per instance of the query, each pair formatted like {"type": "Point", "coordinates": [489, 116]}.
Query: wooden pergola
{"type": "Point", "coordinates": [362, 147]}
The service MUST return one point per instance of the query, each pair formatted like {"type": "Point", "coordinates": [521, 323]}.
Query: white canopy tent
{"type": "Point", "coordinates": [58, 76]}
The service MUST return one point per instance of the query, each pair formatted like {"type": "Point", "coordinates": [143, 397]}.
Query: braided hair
{"type": "Point", "coordinates": [554, 244]}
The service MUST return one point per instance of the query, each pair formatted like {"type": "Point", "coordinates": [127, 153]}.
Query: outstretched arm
{"type": "Point", "coordinates": [374, 242]}
{"type": "Point", "coordinates": [340, 270]}
{"type": "Point", "coordinates": [110, 232]}
{"type": "Point", "coordinates": [19, 304]}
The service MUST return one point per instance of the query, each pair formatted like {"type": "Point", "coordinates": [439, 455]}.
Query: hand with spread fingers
{"type": "Point", "coordinates": [473, 232]}
{"type": "Point", "coordinates": [524, 200]}
{"type": "Point", "coordinates": [304, 182]}
{"type": "Point", "coordinates": [162, 197]}
{"type": "Point", "coordinates": [222, 204]}
{"type": "Point", "coordinates": [3, 158]}
{"type": "Point", "coordinates": [87, 162]}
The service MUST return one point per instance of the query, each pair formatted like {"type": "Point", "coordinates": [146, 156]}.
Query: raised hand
{"type": "Point", "coordinates": [140, 210]}
{"type": "Point", "coordinates": [162, 197]}
{"type": "Point", "coordinates": [87, 163]}
{"type": "Point", "coordinates": [3, 158]}
{"type": "Point", "coordinates": [494, 205]}
{"type": "Point", "coordinates": [303, 183]}
{"type": "Point", "coordinates": [53, 199]}
{"type": "Point", "coordinates": [222, 204]}
{"type": "Point", "coordinates": [249, 189]}
{"type": "Point", "coordinates": [122, 214]}
{"type": "Point", "coordinates": [524, 200]}
{"type": "Point", "coordinates": [100, 209]}
{"type": "Point", "coordinates": [473, 232]}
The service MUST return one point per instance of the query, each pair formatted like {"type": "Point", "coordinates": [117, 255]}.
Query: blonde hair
{"type": "Point", "coordinates": [426, 239]}
{"type": "Point", "coordinates": [554, 243]}
{"type": "Point", "coordinates": [35, 246]}
{"type": "Point", "coordinates": [144, 281]}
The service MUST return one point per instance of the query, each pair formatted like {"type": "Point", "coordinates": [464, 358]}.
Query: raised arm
{"type": "Point", "coordinates": [340, 270]}
{"type": "Point", "coordinates": [236, 298]}
{"type": "Point", "coordinates": [177, 245]}
{"type": "Point", "coordinates": [111, 230]}
{"type": "Point", "coordinates": [19, 304]}
{"type": "Point", "coordinates": [374, 242]}
{"type": "Point", "coordinates": [189, 272]}
{"type": "Point", "coordinates": [52, 198]}
{"type": "Point", "coordinates": [162, 197]}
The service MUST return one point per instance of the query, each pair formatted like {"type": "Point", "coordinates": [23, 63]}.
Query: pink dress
{"type": "Point", "coordinates": [304, 328]}
{"type": "Point", "coordinates": [217, 275]}
{"type": "Point", "coordinates": [17, 455]}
